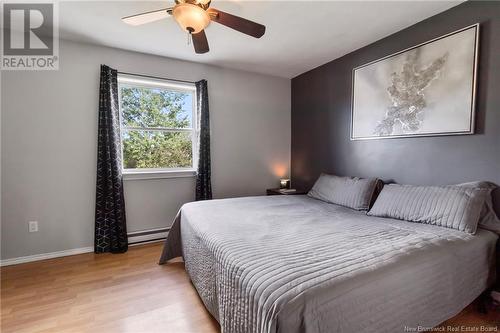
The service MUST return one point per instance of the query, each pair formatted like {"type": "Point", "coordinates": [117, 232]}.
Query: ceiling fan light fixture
{"type": "Point", "coordinates": [191, 18]}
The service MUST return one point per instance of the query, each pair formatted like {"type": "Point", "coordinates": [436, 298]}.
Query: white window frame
{"type": "Point", "coordinates": [154, 83]}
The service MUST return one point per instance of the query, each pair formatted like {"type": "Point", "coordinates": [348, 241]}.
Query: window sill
{"type": "Point", "coordinates": [144, 175]}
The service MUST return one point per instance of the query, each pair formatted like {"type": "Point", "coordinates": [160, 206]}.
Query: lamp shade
{"type": "Point", "coordinates": [284, 183]}
{"type": "Point", "coordinates": [190, 17]}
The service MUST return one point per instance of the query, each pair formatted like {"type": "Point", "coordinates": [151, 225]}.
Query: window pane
{"type": "Point", "coordinates": [155, 107]}
{"type": "Point", "coordinates": [156, 149]}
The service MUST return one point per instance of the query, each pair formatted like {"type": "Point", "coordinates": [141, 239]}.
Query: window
{"type": "Point", "coordinates": [158, 120]}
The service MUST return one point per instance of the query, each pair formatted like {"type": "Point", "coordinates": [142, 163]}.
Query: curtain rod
{"type": "Point", "coordinates": [155, 77]}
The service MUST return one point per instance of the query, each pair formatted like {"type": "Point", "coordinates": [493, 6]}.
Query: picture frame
{"type": "Point", "coordinates": [426, 90]}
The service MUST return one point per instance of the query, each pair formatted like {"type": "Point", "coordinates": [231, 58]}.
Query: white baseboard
{"type": "Point", "coordinates": [147, 242]}
{"type": "Point", "coordinates": [43, 256]}
{"type": "Point", "coordinates": [134, 238]}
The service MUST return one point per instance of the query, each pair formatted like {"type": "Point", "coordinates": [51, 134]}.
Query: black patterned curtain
{"type": "Point", "coordinates": [203, 182]}
{"type": "Point", "coordinates": [110, 224]}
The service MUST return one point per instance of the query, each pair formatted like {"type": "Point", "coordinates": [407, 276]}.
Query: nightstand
{"type": "Point", "coordinates": [277, 191]}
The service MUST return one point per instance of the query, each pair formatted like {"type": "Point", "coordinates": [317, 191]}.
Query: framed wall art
{"type": "Point", "coordinates": [426, 90]}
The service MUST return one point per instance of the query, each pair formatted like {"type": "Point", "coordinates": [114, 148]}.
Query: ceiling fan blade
{"type": "Point", "coordinates": [200, 42]}
{"type": "Point", "coordinates": [237, 23]}
{"type": "Point", "coordinates": [147, 17]}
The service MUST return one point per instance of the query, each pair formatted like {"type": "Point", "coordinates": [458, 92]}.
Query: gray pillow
{"type": "Point", "coordinates": [352, 192]}
{"type": "Point", "coordinates": [446, 206]}
{"type": "Point", "coordinates": [488, 219]}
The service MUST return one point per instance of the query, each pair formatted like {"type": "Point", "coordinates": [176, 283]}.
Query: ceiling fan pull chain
{"type": "Point", "coordinates": [189, 37]}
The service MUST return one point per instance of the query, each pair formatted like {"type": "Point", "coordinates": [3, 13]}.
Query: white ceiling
{"type": "Point", "coordinates": [300, 35]}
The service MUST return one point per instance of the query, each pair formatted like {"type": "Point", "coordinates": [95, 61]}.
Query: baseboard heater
{"type": "Point", "coordinates": [147, 236]}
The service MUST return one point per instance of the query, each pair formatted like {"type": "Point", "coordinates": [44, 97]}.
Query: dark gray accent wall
{"type": "Point", "coordinates": [321, 109]}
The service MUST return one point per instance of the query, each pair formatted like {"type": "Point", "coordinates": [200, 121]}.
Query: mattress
{"type": "Point", "coordinates": [297, 264]}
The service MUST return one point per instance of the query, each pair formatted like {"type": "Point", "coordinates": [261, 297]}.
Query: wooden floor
{"type": "Point", "coordinates": [102, 293]}
{"type": "Point", "coordinates": [116, 293]}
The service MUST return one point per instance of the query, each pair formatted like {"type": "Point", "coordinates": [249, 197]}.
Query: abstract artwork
{"type": "Point", "coordinates": [421, 91]}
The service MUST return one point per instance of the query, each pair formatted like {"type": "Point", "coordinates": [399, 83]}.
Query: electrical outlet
{"type": "Point", "coordinates": [33, 226]}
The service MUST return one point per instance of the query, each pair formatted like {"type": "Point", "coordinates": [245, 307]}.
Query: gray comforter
{"type": "Point", "coordinates": [296, 264]}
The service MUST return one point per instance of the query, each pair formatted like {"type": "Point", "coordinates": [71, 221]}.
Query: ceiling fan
{"type": "Point", "coordinates": [194, 16]}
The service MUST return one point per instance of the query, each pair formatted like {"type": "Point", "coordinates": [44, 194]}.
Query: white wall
{"type": "Point", "coordinates": [48, 138]}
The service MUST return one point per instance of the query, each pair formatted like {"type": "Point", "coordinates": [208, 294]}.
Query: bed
{"type": "Point", "coordinates": [297, 264]}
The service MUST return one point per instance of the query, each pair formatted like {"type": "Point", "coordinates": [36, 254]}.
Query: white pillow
{"type": "Point", "coordinates": [488, 219]}
{"type": "Point", "coordinates": [352, 192]}
{"type": "Point", "coordinates": [445, 206]}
